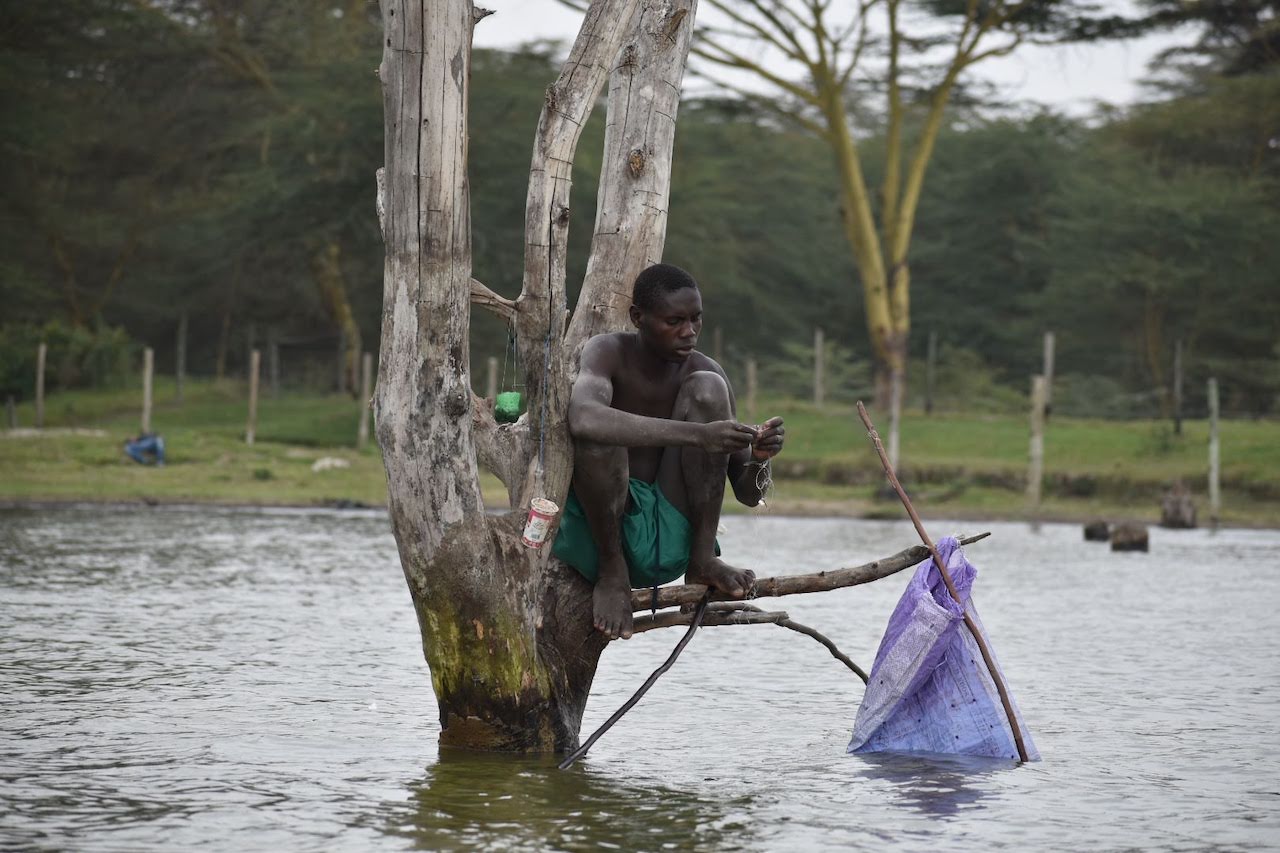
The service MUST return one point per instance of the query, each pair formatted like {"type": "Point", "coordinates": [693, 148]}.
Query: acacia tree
{"type": "Point", "coordinates": [919, 70]}
{"type": "Point", "coordinates": [506, 630]}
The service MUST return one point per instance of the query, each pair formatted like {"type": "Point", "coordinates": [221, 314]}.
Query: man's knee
{"type": "Point", "coordinates": [705, 392]}
{"type": "Point", "coordinates": [600, 475]}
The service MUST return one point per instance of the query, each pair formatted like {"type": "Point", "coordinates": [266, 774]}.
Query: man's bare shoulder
{"type": "Point", "coordinates": [702, 361]}
{"type": "Point", "coordinates": [602, 354]}
{"type": "Point", "coordinates": [607, 342]}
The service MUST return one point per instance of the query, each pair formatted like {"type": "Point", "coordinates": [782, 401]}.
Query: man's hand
{"type": "Point", "coordinates": [768, 443]}
{"type": "Point", "coordinates": [725, 436]}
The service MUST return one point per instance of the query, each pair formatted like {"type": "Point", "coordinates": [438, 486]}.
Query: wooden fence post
{"type": "Point", "coordinates": [342, 362]}
{"type": "Point", "coordinates": [1177, 387]}
{"type": "Point", "coordinates": [251, 429]}
{"type": "Point", "coordinates": [1215, 483]}
{"type": "Point", "coordinates": [41, 355]}
{"type": "Point", "coordinates": [1035, 472]}
{"type": "Point", "coordinates": [751, 390]}
{"type": "Point", "coordinates": [1048, 373]}
{"type": "Point", "coordinates": [251, 341]}
{"type": "Point", "coordinates": [273, 362]}
{"type": "Point", "coordinates": [148, 373]}
{"type": "Point", "coordinates": [819, 350]}
{"type": "Point", "coordinates": [930, 371]}
{"type": "Point", "coordinates": [366, 381]}
{"type": "Point", "coordinates": [180, 358]}
{"type": "Point", "coordinates": [11, 410]}
{"type": "Point", "coordinates": [491, 383]}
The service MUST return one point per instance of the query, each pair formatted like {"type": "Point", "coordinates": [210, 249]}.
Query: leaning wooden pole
{"type": "Point", "coordinates": [951, 587]}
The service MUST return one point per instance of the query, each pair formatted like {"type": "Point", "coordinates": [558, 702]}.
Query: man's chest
{"type": "Point", "coordinates": [648, 398]}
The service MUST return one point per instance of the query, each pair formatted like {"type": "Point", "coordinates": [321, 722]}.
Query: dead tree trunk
{"type": "Point", "coordinates": [506, 631]}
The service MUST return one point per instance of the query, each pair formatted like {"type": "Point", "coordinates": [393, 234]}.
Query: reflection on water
{"type": "Point", "coordinates": [935, 785]}
{"type": "Point", "coordinates": [233, 679]}
{"type": "Point", "coordinates": [468, 802]}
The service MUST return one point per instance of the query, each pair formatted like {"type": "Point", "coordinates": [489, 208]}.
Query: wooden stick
{"type": "Point", "coordinates": [675, 596]}
{"type": "Point", "coordinates": [743, 613]}
{"type": "Point", "coordinates": [951, 587]}
{"type": "Point", "coordinates": [148, 375]}
{"type": "Point", "coordinates": [644, 688]}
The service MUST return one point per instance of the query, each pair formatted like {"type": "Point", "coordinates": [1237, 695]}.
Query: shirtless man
{"type": "Point", "coordinates": [654, 438]}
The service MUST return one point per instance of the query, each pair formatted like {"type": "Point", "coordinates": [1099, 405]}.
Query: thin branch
{"type": "Point", "coordinates": [843, 77]}
{"type": "Point", "coordinates": [794, 50]}
{"type": "Point", "coordinates": [770, 104]}
{"type": "Point", "coordinates": [697, 617]}
{"type": "Point", "coordinates": [674, 596]}
{"type": "Point", "coordinates": [486, 298]}
{"type": "Point", "coordinates": [1003, 50]}
{"type": "Point", "coordinates": [713, 619]}
{"type": "Point", "coordinates": [741, 613]}
{"type": "Point", "coordinates": [731, 59]}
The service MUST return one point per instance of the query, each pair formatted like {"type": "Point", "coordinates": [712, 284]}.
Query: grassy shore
{"type": "Point", "coordinates": [960, 466]}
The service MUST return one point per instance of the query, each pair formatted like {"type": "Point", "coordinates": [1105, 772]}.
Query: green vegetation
{"type": "Point", "coordinates": [959, 465]}
{"type": "Point", "coordinates": [216, 161]}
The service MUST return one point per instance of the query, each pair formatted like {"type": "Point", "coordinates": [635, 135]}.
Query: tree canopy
{"type": "Point", "coordinates": [217, 158]}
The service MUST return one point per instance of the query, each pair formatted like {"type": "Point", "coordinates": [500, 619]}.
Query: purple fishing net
{"type": "Point", "coordinates": [930, 690]}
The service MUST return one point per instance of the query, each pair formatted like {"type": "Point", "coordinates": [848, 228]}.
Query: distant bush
{"type": "Point", "coordinates": [78, 357]}
{"type": "Point", "coordinates": [963, 382]}
{"type": "Point", "coordinates": [1089, 396]}
{"type": "Point", "coordinates": [845, 378]}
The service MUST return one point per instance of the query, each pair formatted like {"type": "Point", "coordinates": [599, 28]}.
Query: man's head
{"type": "Point", "coordinates": [666, 308]}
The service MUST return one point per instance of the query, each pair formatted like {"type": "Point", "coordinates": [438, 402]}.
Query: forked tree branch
{"type": "Point", "coordinates": [675, 596]}
{"type": "Point", "coordinates": [493, 302]}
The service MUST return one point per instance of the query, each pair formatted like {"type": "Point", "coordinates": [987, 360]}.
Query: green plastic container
{"type": "Point", "coordinates": [507, 408]}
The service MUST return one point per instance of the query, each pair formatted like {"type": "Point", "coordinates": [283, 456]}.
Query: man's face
{"type": "Point", "coordinates": [670, 327]}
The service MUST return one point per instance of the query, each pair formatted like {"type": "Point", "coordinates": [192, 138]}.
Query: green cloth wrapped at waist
{"type": "Point", "coordinates": [655, 537]}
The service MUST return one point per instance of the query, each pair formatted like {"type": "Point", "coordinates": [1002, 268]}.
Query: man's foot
{"type": "Point", "coordinates": [611, 603]}
{"type": "Point", "coordinates": [735, 583]}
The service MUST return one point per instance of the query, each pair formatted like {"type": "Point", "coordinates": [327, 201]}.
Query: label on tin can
{"type": "Point", "coordinates": [542, 513]}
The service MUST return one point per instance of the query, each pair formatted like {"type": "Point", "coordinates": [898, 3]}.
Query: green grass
{"type": "Point", "coordinates": [956, 465]}
{"type": "Point", "coordinates": [1141, 451]}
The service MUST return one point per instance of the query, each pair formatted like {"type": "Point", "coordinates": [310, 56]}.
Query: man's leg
{"type": "Point", "coordinates": [693, 480]}
{"type": "Point", "coordinates": [600, 482]}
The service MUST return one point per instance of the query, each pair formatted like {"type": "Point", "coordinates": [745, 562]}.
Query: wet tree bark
{"type": "Point", "coordinates": [506, 631]}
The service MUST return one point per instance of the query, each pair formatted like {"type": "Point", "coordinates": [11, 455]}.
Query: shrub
{"type": "Point", "coordinates": [78, 357]}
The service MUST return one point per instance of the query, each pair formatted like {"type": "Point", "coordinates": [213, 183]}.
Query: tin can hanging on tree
{"type": "Point", "coordinates": [542, 513]}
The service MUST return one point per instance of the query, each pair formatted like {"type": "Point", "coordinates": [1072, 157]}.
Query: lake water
{"type": "Point", "coordinates": [237, 679]}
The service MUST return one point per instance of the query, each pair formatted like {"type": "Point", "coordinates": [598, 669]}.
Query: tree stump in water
{"type": "Point", "coordinates": [1177, 509]}
{"type": "Point", "coordinates": [1097, 531]}
{"type": "Point", "coordinates": [1129, 537]}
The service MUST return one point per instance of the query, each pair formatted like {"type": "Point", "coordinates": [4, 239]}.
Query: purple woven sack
{"type": "Point", "coordinates": [930, 691]}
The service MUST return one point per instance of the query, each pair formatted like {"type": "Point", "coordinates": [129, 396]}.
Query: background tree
{"type": "Point", "coordinates": [922, 60]}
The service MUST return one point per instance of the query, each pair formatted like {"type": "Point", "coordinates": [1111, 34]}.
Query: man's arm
{"type": "Point", "coordinates": [745, 464]}
{"type": "Point", "coordinates": [593, 418]}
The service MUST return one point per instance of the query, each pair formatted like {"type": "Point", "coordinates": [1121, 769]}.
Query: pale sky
{"type": "Point", "coordinates": [1069, 78]}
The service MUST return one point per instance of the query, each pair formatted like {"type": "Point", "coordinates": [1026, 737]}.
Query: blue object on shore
{"type": "Point", "coordinates": [144, 446]}
{"type": "Point", "coordinates": [930, 691]}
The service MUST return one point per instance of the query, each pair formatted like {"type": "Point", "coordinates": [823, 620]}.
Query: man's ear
{"type": "Point", "coordinates": [634, 313]}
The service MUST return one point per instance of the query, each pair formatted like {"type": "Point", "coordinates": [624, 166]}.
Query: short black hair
{"type": "Point", "coordinates": [659, 279]}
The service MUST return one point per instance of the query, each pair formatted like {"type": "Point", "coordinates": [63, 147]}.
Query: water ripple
{"type": "Point", "coordinates": [234, 679]}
